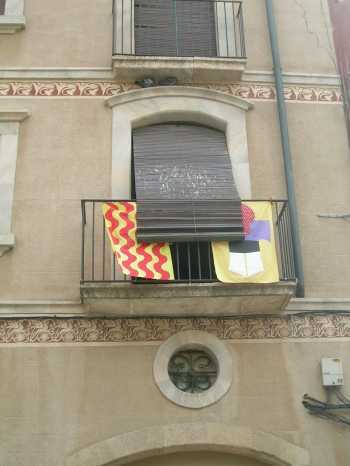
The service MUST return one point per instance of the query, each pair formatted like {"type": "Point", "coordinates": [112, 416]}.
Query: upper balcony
{"type": "Point", "coordinates": [195, 289]}
{"type": "Point", "coordinates": [191, 40]}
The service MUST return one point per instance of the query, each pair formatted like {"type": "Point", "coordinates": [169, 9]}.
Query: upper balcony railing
{"type": "Point", "coordinates": [193, 262]}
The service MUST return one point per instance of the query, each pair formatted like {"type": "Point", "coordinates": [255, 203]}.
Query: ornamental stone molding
{"type": "Point", "coordinates": [192, 339]}
{"type": "Point", "coordinates": [217, 437]}
{"type": "Point", "coordinates": [83, 330]}
{"type": "Point", "coordinates": [9, 132]}
{"type": "Point", "coordinates": [89, 87]}
{"type": "Point", "coordinates": [143, 107]}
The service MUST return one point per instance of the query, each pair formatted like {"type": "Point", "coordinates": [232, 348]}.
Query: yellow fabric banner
{"type": "Point", "coordinates": [137, 259]}
{"type": "Point", "coordinates": [253, 260]}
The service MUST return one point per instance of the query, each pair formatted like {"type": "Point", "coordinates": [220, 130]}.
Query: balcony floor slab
{"type": "Point", "coordinates": [179, 300]}
{"type": "Point", "coordinates": [184, 69]}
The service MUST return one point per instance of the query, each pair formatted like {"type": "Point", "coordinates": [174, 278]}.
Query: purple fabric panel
{"type": "Point", "coordinates": [259, 230]}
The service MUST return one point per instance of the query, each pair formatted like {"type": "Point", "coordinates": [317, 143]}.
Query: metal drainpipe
{"type": "Point", "coordinates": [287, 157]}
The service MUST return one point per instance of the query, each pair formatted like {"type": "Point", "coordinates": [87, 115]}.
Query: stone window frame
{"type": "Point", "coordinates": [193, 339]}
{"type": "Point", "coordinates": [208, 107]}
{"type": "Point", "coordinates": [9, 134]}
{"type": "Point", "coordinates": [13, 20]}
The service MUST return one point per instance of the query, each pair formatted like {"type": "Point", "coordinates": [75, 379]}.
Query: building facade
{"type": "Point", "coordinates": [98, 368]}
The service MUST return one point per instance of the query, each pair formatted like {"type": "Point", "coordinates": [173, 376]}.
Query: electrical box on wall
{"type": "Point", "coordinates": [332, 372]}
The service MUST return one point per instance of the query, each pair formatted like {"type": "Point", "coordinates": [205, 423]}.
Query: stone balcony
{"type": "Point", "coordinates": [195, 289]}
{"type": "Point", "coordinates": [128, 299]}
{"type": "Point", "coordinates": [192, 42]}
{"type": "Point", "coordinates": [184, 69]}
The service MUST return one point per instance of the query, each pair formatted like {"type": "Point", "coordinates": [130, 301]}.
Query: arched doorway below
{"type": "Point", "coordinates": [203, 458]}
{"type": "Point", "coordinates": [205, 438]}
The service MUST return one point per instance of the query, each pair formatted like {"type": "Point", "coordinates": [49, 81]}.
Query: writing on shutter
{"type": "Point", "coordinates": [175, 28]}
{"type": "Point", "coordinates": [184, 185]}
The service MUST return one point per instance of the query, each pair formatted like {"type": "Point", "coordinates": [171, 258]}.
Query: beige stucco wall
{"type": "Point", "coordinates": [79, 34]}
{"type": "Point", "coordinates": [64, 34]}
{"type": "Point", "coordinates": [55, 400]}
{"type": "Point", "coordinates": [65, 155]}
{"type": "Point", "coordinates": [322, 166]}
{"type": "Point", "coordinates": [305, 36]}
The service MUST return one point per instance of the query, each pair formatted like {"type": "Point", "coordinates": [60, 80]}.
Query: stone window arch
{"type": "Point", "coordinates": [151, 106]}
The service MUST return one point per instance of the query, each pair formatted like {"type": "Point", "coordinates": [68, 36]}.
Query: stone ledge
{"type": "Point", "coordinates": [12, 115]}
{"type": "Point", "coordinates": [185, 69]}
{"type": "Point", "coordinates": [11, 24]}
{"type": "Point", "coordinates": [319, 304]}
{"type": "Point", "coordinates": [204, 299]}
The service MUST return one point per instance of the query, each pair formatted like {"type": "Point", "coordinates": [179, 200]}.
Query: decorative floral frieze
{"type": "Point", "coordinates": [291, 93]}
{"type": "Point", "coordinates": [108, 89]}
{"type": "Point", "coordinates": [85, 330]}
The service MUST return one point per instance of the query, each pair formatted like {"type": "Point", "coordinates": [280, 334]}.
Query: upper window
{"type": "Point", "coordinates": [180, 28]}
{"type": "Point", "coordinates": [175, 28]}
{"type": "Point", "coordinates": [11, 16]}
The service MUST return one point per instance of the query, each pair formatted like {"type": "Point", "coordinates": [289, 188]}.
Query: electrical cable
{"type": "Point", "coordinates": [324, 410]}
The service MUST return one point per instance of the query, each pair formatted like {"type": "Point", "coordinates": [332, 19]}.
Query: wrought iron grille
{"type": "Point", "coordinates": [192, 261]}
{"type": "Point", "coordinates": [179, 28]}
{"type": "Point", "coordinates": [193, 371]}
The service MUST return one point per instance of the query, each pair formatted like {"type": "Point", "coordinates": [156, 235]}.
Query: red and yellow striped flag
{"type": "Point", "coordinates": [137, 259]}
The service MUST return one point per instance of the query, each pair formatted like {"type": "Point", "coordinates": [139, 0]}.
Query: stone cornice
{"type": "Point", "coordinates": [303, 79]}
{"type": "Point", "coordinates": [319, 304]}
{"type": "Point", "coordinates": [69, 309]}
{"type": "Point", "coordinates": [106, 74]}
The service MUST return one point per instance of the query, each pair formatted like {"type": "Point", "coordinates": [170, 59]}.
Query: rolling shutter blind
{"type": "Point", "coordinates": [184, 185]}
{"type": "Point", "coordinates": [183, 28]}
{"type": "Point", "coordinates": [2, 7]}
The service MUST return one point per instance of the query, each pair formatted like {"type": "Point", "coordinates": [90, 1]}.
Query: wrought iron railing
{"type": "Point", "coordinates": [193, 262]}
{"type": "Point", "coordinates": [206, 28]}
